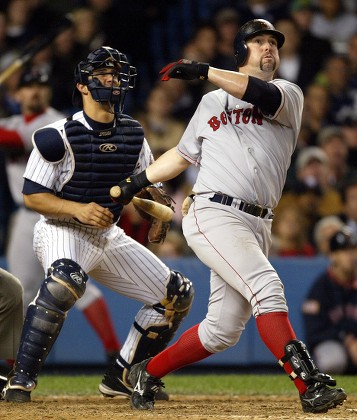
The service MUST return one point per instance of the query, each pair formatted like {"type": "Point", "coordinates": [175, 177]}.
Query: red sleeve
{"type": "Point", "coordinates": [10, 139]}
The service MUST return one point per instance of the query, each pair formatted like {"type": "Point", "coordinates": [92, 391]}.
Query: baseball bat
{"type": "Point", "coordinates": [157, 210]}
{"type": "Point", "coordinates": [31, 51]}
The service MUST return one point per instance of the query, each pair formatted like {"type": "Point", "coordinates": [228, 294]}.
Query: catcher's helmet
{"type": "Point", "coordinates": [250, 29]}
{"type": "Point", "coordinates": [104, 57]}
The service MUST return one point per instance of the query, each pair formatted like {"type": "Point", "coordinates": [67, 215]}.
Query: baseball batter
{"type": "Point", "coordinates": [74, 163]}
{"type": "Point", "coordinates": [242, 137]}
{"type": "Point", "coordinates": [34, 95]}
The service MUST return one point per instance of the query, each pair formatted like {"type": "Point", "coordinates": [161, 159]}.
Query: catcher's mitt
{"type": "Point", "coordinates": [158, 228]}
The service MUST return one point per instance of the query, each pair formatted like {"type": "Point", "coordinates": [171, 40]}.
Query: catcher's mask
{"type": "Point", "coordinates": [249, 30]}
{"type": "Point", "coordinates": [104, 57]}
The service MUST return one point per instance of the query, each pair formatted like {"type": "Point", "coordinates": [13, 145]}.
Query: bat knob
{"type": "Point", "coordinates": [115, 191]}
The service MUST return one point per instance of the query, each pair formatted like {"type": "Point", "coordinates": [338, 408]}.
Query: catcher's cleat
{"type": "Point", "coordinates": [3, 380]}
{"type": "Point", "coordinates": [319, 398]}
{"type": "Point", "coordinates": [145, 386]}
{"type": "Point", "coordinates": [18, 389]}
{"type": "Point", "coordinates": [115, 384]}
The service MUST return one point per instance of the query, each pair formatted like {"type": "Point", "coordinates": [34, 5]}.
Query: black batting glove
{"type": "Point", "coordinates": [131, 186]}
{"type": "Point", "coordinates": [185, 70]}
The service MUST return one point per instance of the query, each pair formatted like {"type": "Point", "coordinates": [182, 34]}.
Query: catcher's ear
{"type": "Point", "coordinates": [82, 88]}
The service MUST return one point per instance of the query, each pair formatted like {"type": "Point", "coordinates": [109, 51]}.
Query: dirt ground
{"type": "Point", "coordinates": [179, 407]}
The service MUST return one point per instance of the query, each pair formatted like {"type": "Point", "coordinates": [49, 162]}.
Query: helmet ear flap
{"type": "Point", "coordinates": [240, 52]}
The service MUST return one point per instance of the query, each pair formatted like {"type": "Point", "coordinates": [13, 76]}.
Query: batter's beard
{"type": "Point", "coordinates": [268, 67]}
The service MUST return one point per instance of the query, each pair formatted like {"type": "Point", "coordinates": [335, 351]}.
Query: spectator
{"type": "Point", "coordinates": [312, 169]}
{"type": "Point", "coordinates": [335, 75]}
{"type": "Point", "coordinates": [332, 22]}
{"type": "Point", "coordinates": [352, 60]}
{"type": "Point", "coordinates": [162, 130]}
{"type": "Point", "coordinates": [313, 49]}
{"type": "Point", "coordinates": [315, 114]}
{"type": "Point", "coordinates": [87, 32]}
{"type": "Point", "coordinates": [290, 234]}
{"type": "Point", "coordinates": [291, 63]}
{"type": "Point", "coordinates": [333, 142]}
{"type": "Point", "coordinates": [330, 306]}
{"type": "Point", "coordinates": [3, 29]}
{"type": "Point", "coordinates": [66, 51]}
{"type": "Point", "coordinates": [349, 129]}
{"type": "Point", "coordinates": [183, 100]}
{"type": "Point", "coordinates": [310, 190]}
{"type": "Point", "coordinates": [271, 10]}
{"type": "Point", "coordinates": [201, 47]}
{"type": "Point", "coordinates": [324, 229]}
{"type": "Point", "coordinates": [18, 30]}
{"type": "Point", "coordinates": [226, 22]}
{"type": "Point", "coordinates": [349, 200]}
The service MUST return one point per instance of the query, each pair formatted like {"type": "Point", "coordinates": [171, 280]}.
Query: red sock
{"type": "Point", "coordinates": [187, 349]}
{"type": "Point", "coordinates": [97, 314]}
{"type": "Point", "coordinates": [276, 331]}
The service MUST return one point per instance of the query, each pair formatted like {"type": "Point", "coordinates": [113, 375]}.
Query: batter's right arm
{"type": "Point", "coordinates": [52, 206]}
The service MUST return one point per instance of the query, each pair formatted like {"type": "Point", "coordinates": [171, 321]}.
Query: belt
{"type": "Point", "coordinates": [252, 209]}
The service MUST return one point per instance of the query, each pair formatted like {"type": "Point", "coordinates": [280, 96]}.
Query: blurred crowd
{"type": "Point", "coordinates": [319, 54]}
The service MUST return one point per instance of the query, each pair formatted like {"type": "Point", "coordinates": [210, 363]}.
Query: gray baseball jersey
{"type": "Point", "coordinates": [243, 154]}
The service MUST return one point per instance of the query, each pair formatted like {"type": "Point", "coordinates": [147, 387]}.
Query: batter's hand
{"type": "Point", "coordinates": [186, 70]}
{"type": "Point", "coordinates": [94, 215]}
{"type": "Point", "coordinates": [130, 186]}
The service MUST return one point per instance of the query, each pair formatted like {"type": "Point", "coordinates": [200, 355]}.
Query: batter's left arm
{"type": "Point", "coordinates": [166, 167]}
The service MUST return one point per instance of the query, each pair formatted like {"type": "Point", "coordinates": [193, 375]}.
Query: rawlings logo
{"type": "Point", "coordinates": [76, 277]}
{"type": "Point", "coordinates": [107, 147]}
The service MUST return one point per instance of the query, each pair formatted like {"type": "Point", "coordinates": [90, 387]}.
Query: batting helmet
{"type": "Point", "coordinates": [249, 30]}
{"type": "Point", "coordinates": [104, 57]}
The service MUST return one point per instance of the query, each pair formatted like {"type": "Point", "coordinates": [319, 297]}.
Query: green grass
{"type": "Point", "coordinates": [264, 384]}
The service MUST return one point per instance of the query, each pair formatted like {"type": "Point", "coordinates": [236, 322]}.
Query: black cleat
{"type": "Point", "coordinates": [115, 384]}
{"type": "Point", "coordinates": [18, 389]}
{"type": "Point", "coordinates": [145, 386]}
{"type": "Point", "coordinates": [319, 398]}
{"type": "Point", "coordinates": [3, 380]}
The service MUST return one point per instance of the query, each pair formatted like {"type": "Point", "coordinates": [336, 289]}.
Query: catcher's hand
{"type": "Point", "coordinates": [186, 70]}
{"type": "Point", "coordinates": [158, 228]}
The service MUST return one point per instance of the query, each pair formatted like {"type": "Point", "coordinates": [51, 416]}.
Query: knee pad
{"type": "Point", "coordinates": [297, 355]}
{"type": "Point", "coordinates": [64, 286]}
{"type": "Point", "coordinates": [178, 298]}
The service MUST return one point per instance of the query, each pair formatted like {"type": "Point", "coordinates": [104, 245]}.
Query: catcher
{"type": "Point", "coordinates": [67, 180]}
